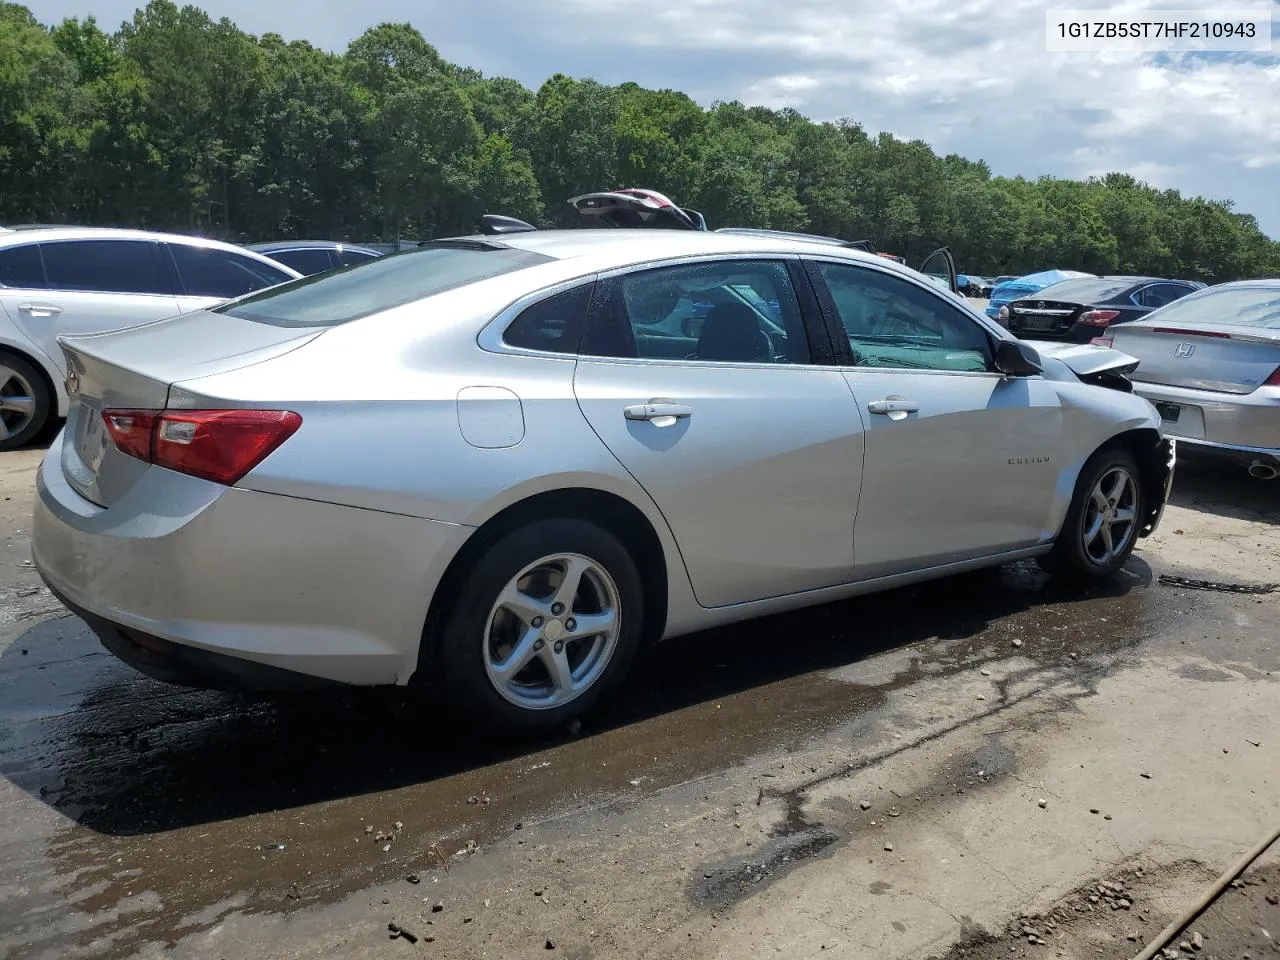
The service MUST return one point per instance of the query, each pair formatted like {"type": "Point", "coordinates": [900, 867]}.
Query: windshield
{"type": "Point", "coordinates": [1244, 306]}
{"type": "Point", "coordinates": [347, 294]}
{"type": "Point", "coordinates": [1088, 290]}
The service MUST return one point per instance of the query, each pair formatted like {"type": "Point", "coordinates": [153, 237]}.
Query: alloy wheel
{"type": "Point", "coordinates": [1110, 516]}
{"type": "Point", "coordinates": [552, 631]}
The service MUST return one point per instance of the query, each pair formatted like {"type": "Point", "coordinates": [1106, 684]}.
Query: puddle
{"type": "Point", "coordinates": [208, 799]}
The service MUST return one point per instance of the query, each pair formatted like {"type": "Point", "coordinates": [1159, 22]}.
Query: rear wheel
{"type": "Point", "coordinates": [547, 621]}
{"type": "Point", "coordinates": [1101, 528]}
{"type": "Point", "coordinates": [26, 404]}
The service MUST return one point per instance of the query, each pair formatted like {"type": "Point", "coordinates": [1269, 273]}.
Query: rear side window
{"type": "Point", "coordinates": [554, 324]}
{"type": "Point", "coordinates": [105, 266]}
{"type": "Point", "coordinates": [330, 299]}
{"type": "Point", "coordinates": [306, 261]}
{"type": "Point", "coordinates": [21, 267]}
{"type": "Point", "coordinates": [1158, 294]}
{"type": "Point", "coordinates": [210, 272]}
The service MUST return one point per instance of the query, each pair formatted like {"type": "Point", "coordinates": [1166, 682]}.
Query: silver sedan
{"type": "Point", "coordinates": [498, 466]}
{"type": "Point", "coordinates": [1210, 363]}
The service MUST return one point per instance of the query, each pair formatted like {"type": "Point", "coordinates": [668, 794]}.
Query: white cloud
{"type": "Point", "coordinates": [968, 76]}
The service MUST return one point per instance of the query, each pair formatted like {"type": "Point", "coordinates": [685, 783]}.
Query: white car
{"type": "Point", "coordinates": [57, 281]}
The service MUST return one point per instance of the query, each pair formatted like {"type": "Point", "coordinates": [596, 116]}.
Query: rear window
{"type": "Point", "coordinates": [21, 267]}
{"type": "Point", "coordinates": [1089, 290]}
{"type": "Point", "coordinates": [327, 300]}
{"type": "Point", "coordinates": [1245, 306]}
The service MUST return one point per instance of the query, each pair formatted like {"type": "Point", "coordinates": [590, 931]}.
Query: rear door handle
{"type": "Point", "coordinates": [893, 406]}
{"type": "Point", "coordinates": [40, 309]}
{"type": "Point", "coordinates": [657, 410]}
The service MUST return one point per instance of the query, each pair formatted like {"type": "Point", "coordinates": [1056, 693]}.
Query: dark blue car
{"type": "Point", "coordinates": [1082, 308]}
{"type": "Point", "coordinates": [310, 257]}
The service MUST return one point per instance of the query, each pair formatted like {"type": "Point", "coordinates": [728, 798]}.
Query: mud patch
{"type": "Point", "coordinates": [1198, 671]}
{"type": "Point", "coordinates": [991, 762]}
{"type": "Point", "coordinates": [1111, 918]}
{"type": "Point", "coordinates": [730, 881]}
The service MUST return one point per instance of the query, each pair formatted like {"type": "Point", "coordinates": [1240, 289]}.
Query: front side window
{"type": "Point", "coordinates": [725, 311]}
{"type": "Point", "coordinates": [21, 267]}
{"type": "Point", "coordinates": [894, 323]}
{"type": "Point", "coordinates": [350, 258]}
{"type": "Point", "coordinates": [210, 272]}
{"type": "Point", "coordinates": [105, 266]}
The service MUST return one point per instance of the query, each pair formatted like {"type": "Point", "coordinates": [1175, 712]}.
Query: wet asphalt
{"type": "Point", "coordinates": [137, 811]}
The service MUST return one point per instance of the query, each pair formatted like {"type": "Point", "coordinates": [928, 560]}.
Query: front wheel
{"type": "Point", "coordinates": [1101, 528]}
{"type": "Point", "coordinates": [546, 622]}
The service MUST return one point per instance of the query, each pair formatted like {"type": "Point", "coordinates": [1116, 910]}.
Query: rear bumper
{"type": "Point", "coordinates": [180, 575]}
{"type": "Point", "coordinates": [1247, 423]}
{"type": "Point", "coordinates": [1245, 456]}
{"type": "Point", "coordinates": [187, 666]}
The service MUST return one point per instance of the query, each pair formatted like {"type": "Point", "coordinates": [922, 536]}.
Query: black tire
{"type": "Point", "coordinates": [1070, 557]}
{"type": "Point", "coordinates": [40, 393]}
{"type": "Point", "coordinates": [454, 659]}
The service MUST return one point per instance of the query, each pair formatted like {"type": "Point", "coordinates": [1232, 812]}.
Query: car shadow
{"type": "Point", "coordinates": [124, 755]}
{"type": "Point", "coordinates": [1224, 490]}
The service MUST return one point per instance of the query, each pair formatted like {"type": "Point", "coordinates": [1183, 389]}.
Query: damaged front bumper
{"type": "Point", "coordinates": [1159, 482]}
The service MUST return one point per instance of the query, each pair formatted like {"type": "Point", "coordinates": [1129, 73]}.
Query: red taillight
{"type": "Point", "coordinates": [130, 431]}
{"type": "Point", "coordinates": [1103, 341]}
{"type": "Point", "coordinates": [217, 445]}
{"type": "Point", "coordinates": [1098, 318]}
{"type": "Point", "coordinates": [1273, 380]}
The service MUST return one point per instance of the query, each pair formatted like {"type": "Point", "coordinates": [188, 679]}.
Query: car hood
{"type": "Point", "coordinates": [1087, 359]}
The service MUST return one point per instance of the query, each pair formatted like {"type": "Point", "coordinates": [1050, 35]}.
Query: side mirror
{"type": "Point", "coordinates": [692, 326]}
{"type": "Point", "coordinates": [1014, 358]}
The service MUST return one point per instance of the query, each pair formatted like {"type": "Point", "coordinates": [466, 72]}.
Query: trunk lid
{"type": "Point", "coordinates": [134, 368]}
{"type": "Point", "coordinates": [634, 208]}
{"type": "Point", "coordinates": [1043, 316]}
{"type": "Point", "coordinates": [1224, 357]}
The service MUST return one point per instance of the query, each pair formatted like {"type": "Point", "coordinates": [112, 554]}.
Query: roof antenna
{"type": "Point", "coordinates": [493, 223]}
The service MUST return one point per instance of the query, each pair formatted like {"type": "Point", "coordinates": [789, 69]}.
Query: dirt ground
{"type": "Point", "coordinates": [919, 774]}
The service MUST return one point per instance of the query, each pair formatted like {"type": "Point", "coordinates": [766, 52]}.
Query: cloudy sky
{"type": "Point", "coordinates": [968, 76]}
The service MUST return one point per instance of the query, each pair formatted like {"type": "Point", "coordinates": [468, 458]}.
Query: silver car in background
{"type": "Point", "coordinates": [1210, 363]}
{"type": "Point", "coordinates": [500, 465]}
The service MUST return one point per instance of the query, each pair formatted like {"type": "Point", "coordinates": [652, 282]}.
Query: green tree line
{"type": "Point", "coordinates": [180, 122]}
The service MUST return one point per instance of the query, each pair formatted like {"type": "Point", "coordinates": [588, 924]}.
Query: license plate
{"type": "Point", "coordinates": [1169, 412]}
{"type": "Point", "coordinates": [1038, 323]}
{"type": "Point", "coordinates": [93, 437]}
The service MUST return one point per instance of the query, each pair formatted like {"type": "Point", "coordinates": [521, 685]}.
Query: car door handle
{"type": "Point", "coordinates": [40, 309]}
{"type": "Point", "coordinates": [893, 406]}
{"type": "Point", "coordinates": [657, 410]}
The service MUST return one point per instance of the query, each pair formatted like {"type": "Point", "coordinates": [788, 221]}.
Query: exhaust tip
{"type": "Point", "coordinates": [1263, 471]}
